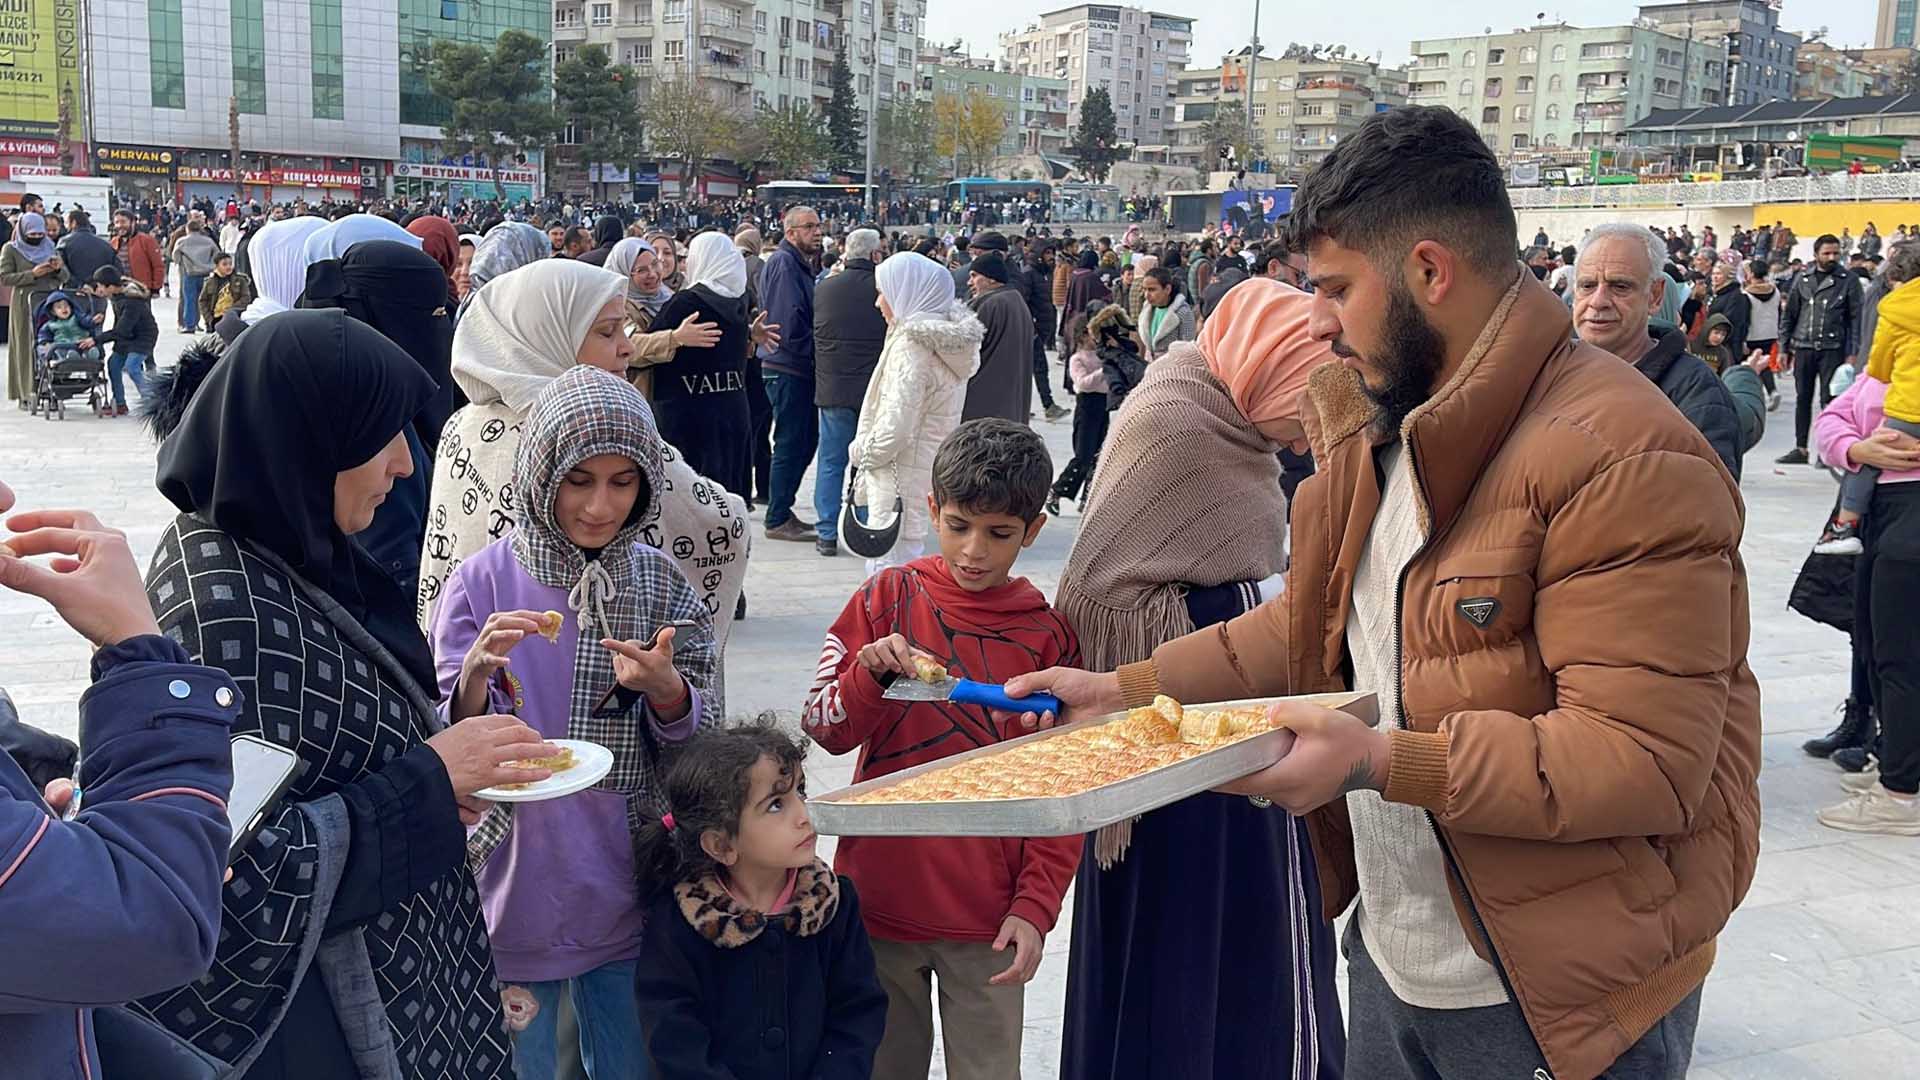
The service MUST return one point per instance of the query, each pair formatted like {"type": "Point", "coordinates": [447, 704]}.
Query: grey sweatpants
{"type": "Point", "coordinates": [1856, 488]}
{"type": "Point", "coordinates": [1391, 1040]}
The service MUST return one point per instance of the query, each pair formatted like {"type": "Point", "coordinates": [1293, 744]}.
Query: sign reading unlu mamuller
{"type": "Point", "coordinates": [133, 160]}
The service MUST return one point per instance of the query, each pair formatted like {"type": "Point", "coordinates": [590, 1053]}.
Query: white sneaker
{"type": "Point", "coordinates": [1859, 783]}
{"type": "Point", "coordinates": [1874, 811]}
{"type": "Point", "coordinates": [1773, 402]}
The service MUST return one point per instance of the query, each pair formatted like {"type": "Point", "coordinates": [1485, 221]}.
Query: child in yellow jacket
{"type": "Point", "coordinates": [1895, 360]}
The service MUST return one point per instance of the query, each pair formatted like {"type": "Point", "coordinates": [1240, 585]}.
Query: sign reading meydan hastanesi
{"type": "Point", "coordinates": [39, 63]}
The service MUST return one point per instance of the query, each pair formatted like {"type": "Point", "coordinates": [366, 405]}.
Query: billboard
{"type": "Point", "coordinates": [1254, 215]}
{"type": "Point", "coordinates": [39, 62]}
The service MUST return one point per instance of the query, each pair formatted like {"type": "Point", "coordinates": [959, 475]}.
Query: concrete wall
{"type": "Point", "coordinates": [1567, 226]}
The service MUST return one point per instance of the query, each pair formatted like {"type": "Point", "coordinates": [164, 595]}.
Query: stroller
{"type": "Point", "coordinates": [64, 371]}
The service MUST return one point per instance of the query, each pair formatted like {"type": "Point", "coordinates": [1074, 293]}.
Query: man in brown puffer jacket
{"type": "Point", "coordinates": [1533, 559]}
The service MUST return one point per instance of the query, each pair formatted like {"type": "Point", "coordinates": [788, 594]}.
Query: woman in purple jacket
{"type": "Point", "coordinates": [122, 900]}
{"type": "Point", "coordinates": [632, 668]}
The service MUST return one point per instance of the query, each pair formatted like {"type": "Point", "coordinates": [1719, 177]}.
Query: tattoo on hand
{"type": "Point", "coordinates": [1359, 777]}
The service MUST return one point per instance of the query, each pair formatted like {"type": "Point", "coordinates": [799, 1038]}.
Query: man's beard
{"type": "Point", "coordinates": [1410, 355]}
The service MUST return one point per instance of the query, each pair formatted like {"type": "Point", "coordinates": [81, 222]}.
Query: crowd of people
{"type": "Point", "coordinates": [451, 489]}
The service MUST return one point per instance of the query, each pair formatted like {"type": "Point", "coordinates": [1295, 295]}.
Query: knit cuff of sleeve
{"type": "Point", "coordinates": [1139, 682]}
{"type": "Point", "coordinates": [1417, 769]}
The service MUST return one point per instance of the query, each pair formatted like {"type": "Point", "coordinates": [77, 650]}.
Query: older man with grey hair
{"type": "Point", "coordinates": [1617, 284]}
{"type": "Point", "coordinates": [848, 331]}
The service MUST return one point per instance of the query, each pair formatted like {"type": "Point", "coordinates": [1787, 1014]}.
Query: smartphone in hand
{"type": "Point", "coordinates": [262, 772]}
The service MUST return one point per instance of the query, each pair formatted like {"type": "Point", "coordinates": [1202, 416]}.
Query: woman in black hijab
{"type": "Point", "coordinates": [352, 910]}
{"type": "Point", "coordinates": [700, 398]}
{"type": "Point", "coordinates": [1084, 287]}
{"type": "Point", "coordinates": [392, 287]}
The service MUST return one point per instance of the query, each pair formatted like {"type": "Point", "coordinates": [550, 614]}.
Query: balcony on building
{"type": "Point", "coordinates": [1331, 88]}
{"type": "Point", "coordinates": [718, 27]}
{"type": "Point", "coordinates": [569, 25]}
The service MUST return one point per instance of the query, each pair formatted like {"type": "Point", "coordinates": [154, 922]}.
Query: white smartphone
{"type": "Point", "coordinates": [262, 772]}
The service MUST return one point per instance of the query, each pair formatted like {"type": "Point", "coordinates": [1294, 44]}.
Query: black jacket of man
{"type": "Point", "coordinates": [848, 331]}
{"type": "Point", "coordinates": [1823, 311]}
{"type": "Point", "coordinates": [1697, 392]}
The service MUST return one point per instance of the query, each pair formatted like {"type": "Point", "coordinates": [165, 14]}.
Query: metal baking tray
{"type": "Point", "coordinates": [1064, 815]}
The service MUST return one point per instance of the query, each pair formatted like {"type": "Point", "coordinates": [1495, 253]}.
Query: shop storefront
{"type": "Point", "coordinates": [208, 174]}
{"type": "Point", "coordinates": [139, 173]}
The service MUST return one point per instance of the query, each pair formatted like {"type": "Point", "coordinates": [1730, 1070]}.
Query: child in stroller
{"type": "Point", "coordinates": [66, 357]}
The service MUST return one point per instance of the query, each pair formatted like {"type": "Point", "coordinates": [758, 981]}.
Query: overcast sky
{"type": "Point", "coordinates": [1382, 27]}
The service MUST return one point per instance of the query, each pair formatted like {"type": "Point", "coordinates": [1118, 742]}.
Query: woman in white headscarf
{"type": "Point", "coordinates": [914, 399]}
{"type": "Point", "coordinates": [277, 255]}
{"type": "Point", "coordinates": [520, 333]}
{"type": "Point", "coordinates": [333, 241]}
{"type": "Point", "coordinates": [701, 398]}
{"type": "Point", "coordinates": [635, 260]}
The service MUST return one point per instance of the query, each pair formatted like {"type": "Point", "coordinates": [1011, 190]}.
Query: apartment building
{"type": "Point", "coordinates": [1135, 54]}
{"type": "Point", "coordinates": [1557, 86]}
{"type": "Point", "coordinates": [1035, 107]}
{"type": "Point", "coordinates": [1823, 72]}
{"type": "Point", "coordinates": [1303, 103]}
{"type": "Point", "coordinates": [1893, 24]}
{"type": "Point", "coordinates": [1760, 55]}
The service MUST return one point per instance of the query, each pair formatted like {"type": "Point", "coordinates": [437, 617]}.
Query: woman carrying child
{"type": "Point", "coordinates": [630, 669]}
{"type": "Point", "coordinates": [756, 965]}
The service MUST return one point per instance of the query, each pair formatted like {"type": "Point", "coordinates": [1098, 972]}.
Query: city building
{"type": "Point", "coordinates": [328, 97]}
{"type": "Point", "coordinates": [1137, 55]}
{"type": "Point", "coordinates": [1035, 106]}
{"type": "Point", "coordinates": [1823, 71]}
{"type": "Point", "coordinates": [1893, 24]}
{"type": "Point", "coordinates": [1558, 86]}
{"type": "Point", "coordinates": [1303, 103]}
{"type": "Point", "coordinates": [1760, 55]}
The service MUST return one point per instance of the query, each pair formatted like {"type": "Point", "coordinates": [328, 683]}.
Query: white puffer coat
{"type": "Point", "coordinates": [912, 404]}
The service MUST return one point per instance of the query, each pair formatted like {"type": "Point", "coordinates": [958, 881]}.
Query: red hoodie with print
{"type": "Point", "coordinates": [940, 888]}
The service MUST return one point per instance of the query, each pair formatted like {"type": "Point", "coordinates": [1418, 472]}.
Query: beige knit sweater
{"type": "Point", "coordinates": [1406, 913]}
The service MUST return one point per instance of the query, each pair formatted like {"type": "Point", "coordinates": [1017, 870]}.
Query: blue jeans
{"type": "Point", "coordinates": [796, 434]}
{"type": "Point", "coordinates": [135, 367]}
{"type": "Point", "coordinates": [837, 426]}
{"type": "Point", "coordinates": [611, 1046]}
{"type": "Point", "coordinates": [190, 286]}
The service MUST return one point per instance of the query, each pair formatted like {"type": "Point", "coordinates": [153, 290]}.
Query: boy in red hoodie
{"type": "Point", "coordinates": [973, 912]}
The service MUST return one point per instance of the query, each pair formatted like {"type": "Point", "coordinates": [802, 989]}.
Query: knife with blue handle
{"type": "Point", "coordinates": [968, 692]}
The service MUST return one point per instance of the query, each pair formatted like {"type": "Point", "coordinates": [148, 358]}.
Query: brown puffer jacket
{"type": "Point", "coordinates": [1581, 722]}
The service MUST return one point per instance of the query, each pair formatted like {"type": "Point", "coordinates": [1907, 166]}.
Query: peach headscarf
{"type": "Point", "coordinates": [1257, 344]}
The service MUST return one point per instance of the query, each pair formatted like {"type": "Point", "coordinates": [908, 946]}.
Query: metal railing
{"type": "Point", "coordinates": [1837, 187]}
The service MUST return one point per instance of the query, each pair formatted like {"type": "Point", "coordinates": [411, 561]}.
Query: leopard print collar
{"type": "Point", "coordinates": [711, 910]}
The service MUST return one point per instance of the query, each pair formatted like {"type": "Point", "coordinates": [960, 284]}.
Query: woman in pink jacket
{"type": "Point", "coordinates": [1849, 433]}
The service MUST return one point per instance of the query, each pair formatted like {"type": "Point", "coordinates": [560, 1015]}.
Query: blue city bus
{"type": "Point", "coordinates": [974, 189]}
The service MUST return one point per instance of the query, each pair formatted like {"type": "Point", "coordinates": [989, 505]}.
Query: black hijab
{"type": "Point", "coordinates": [300, 397]}
{"type": "Point", "coordinates": [1089, 259]}
{"type": "Point", "coordinates": [397, 289]}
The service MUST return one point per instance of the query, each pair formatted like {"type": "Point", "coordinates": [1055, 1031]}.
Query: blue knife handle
{"type": "Point", "coordinates": [992, 696]}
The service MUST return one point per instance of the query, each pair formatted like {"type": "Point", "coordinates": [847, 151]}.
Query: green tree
{"type": "Point", "coordinates": [1227, 130]}
{"type": "Point", "coordinates": [905, 139]}
{"type": "Point", "coordinates": [499, 99]}
{"type": "Point", "coordinates": [846, 131]}
{"type": "Point", "coordinates": [597, 96]}
{"type": "Point", "coordinates": [968, 130]}
{"type": "Point", "coordinates": [1096, 144]}
{"type": "Point", "coordinates": [685, 125]}
{"type": "Point", "coordinates": [788, 140]}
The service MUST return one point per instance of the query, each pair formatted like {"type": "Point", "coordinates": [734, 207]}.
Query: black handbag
{"type": "Point", "coordinates": [1823, 591]}
{"type": "Point", "coordinates": [869, 543]}
{"type": "Point", "coordinates": [133, 1047]}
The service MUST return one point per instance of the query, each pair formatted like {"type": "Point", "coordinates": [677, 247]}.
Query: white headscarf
{"type": "Point", "coordinates": [915, 287]}
{"type": "Point", "coordinates": [713, 261]}
{"type": "Point", "coordinates": [621, 259]}
{"type": "Point", "coordinates": [524, 329]}
{"type": "Point", "coordinates": [333, 241]}
{"type": "Point", "coordinates": [276, 258]}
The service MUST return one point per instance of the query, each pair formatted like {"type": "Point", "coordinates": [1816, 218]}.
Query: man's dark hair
{"type": "Point", "coordinates": [573, 235]}
{"type": "Point", "coordinates": [1275, 251]}
{"type": "Point", "coordinates": [123, 212]}
{"type": "Point", "coordinates": [1409, 174]}
{"type": "Point", "coordinates": [1903, 265]}
{"type": "Point", "coordinates": [993, 466]}
{"type": "Point", "coordinates": [1825, 239]}
{"type": "Point", "coordinates": [109, 275]}
{"type": "Point", "coordinates": [222, 256]}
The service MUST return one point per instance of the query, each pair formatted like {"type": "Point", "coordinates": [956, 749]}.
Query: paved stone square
{"type": "Point", "coordinates": [1818, 974]}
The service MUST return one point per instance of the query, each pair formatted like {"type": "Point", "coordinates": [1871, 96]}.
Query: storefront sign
{"type": "Point", "coordinates": [22, 172]}
{"type": "Point", "coordinates": [18, 146]}
{"type": "Point", "coordinates": [316, 178]}
{"type": "Point", "coordinates": [415, 170]}
{"type": "Point", "coordinates": [220, 174]}
{"type": "Point", "coordinates": [134, 160]}
{"type": "Point", "coordinates": [39, 62]}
